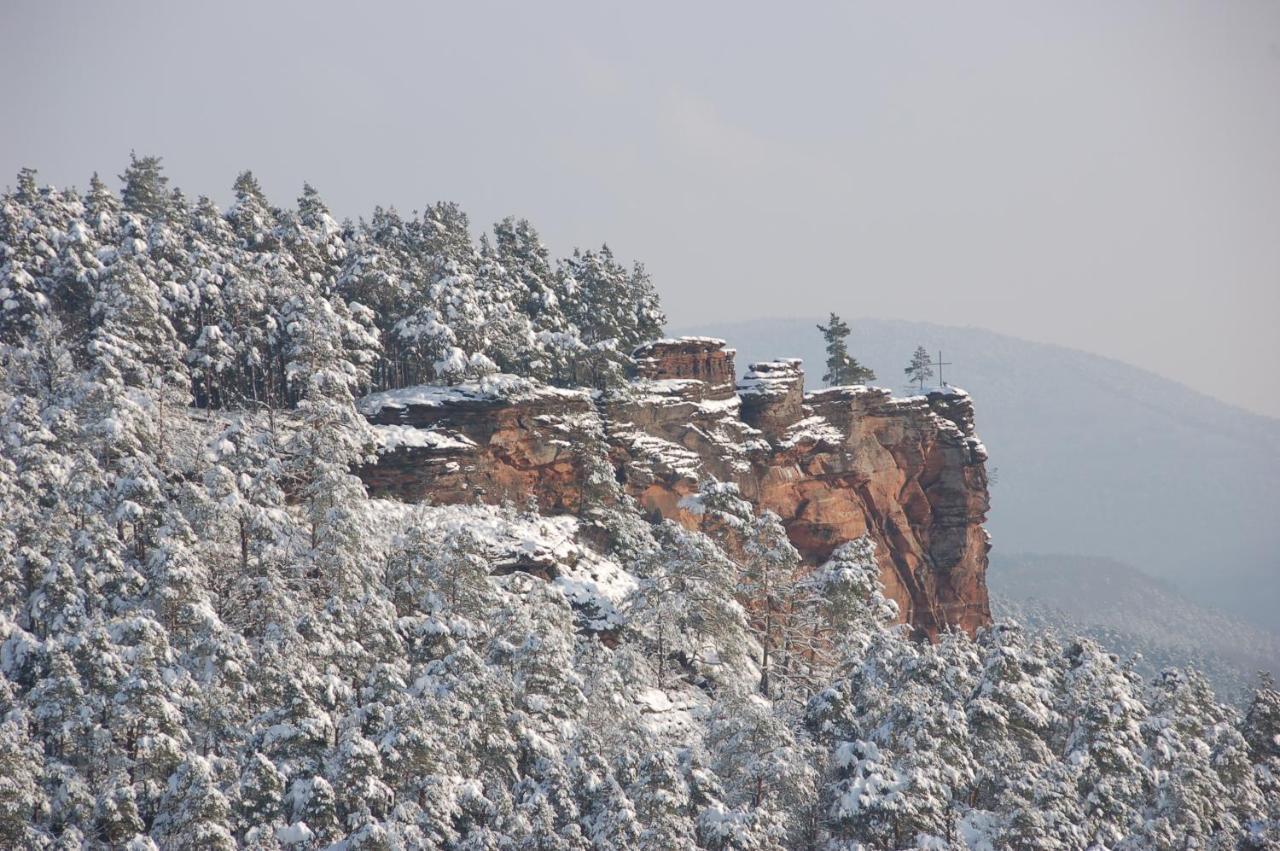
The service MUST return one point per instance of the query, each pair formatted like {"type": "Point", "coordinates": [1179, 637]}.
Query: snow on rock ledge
{"type": "Point", "coordinates": [495, 389]}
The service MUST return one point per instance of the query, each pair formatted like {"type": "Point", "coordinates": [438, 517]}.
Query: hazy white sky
{"type": "Point", "coordinates": [1103, 175]}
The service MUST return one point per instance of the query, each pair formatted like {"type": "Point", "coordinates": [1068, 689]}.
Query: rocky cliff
{"type": "Point", "coordinates": [834, 464]}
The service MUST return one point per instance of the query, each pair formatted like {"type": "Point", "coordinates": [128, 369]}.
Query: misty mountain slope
{"type": "Point", "coordinates": [1093, 455]}
{"type": "Point", "coordinates": [1132, 613]}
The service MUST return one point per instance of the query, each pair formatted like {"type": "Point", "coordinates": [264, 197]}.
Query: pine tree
{"type": "Point", "coordinates": [146, 191]}
{"type": "Point", "coordinates": [1192, 805]}
{"type": "Point", "coordinates": [196, 812]}
{"type": "Point", "coordinates": [762, 764]}
{"type": "Point", "coordinates": [1103, 707]}
{"type": "Point", "coordinates": [534, 287]}
{"type": "Point", "coordinates": [852, 601]}
{"type": "Point", "coordinates": [102, 209]}
{"type": "Point", "coordinates": [684, 606]}
{"type": "Point", "coordinates": [316, 243]}
{"type": "Point", "coordinates": [1041, 811]}
{"type": "Point", "coordinates": [920, 369]}
{"type": "Point", "coordinates": [1261, 731]}
{"type": "Point", "coordinates": [375, 276]}
{"type": "Point", "coordinates": [768, 589]}
{"type": "Point", "coordinates": [841, 368]}
{"type": "Point", "coordinates": [333, 438]}
{"type": "Point", "coordinates": [23, 802]}
{"type": "Point", "coordinates": [259, 800]}
{"type": "Point", "coordinates": [242, 510]}
{"type": "Point", "coordinates": [212, 273]}
{"type": "Point", "coordinates": [363, 798]}
{"type": "Point", "coordinates": [446, 332]}
{"type": "Point", "coordinates": [449, 578]}
{"type": "Point", "coordinates": [134, 343]}
{"type": "Point", "coordinates": [149, 727]}
{"type": "Point", "coordinates": [31, 222]}
{"type": "Point", "coordinates": [662, 801]}
{"type": "Point", "coordinates": [614, 310]}
{"type": "Point", "coordinates": [251, 216]}
{"type": "Point", "coordinates": [115, 815]}
{"type": "Point", "coordinates": [1011, 716]}
{"type": "Point", "coordinates": [865, 800]}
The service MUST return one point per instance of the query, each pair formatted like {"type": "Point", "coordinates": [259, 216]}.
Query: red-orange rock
{"type": "Point", "coordinates": [702, 358]}
{"type": "Point", "coordinates": [834, 465]}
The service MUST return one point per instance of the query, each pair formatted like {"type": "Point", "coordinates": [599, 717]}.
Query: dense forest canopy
{"type": "Point", "coordinates": [210, 637]}
{"type": "Point", "coordinates": [413, 300]}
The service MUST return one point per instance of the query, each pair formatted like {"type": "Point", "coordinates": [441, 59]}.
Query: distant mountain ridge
{"type": "Point", "coordinates": [1092, 455]}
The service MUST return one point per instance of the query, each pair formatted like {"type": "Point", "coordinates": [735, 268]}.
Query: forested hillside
{"type": "Point", "coordinates": [1134, 615]}
{"type": "Point", "coordinates": [211, 637]}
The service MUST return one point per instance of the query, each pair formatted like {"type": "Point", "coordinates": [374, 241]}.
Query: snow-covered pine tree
{"type": "Point", "coordinates": [363, 799]}
{"type": "Point", "coordinates": [168, 261]}
{"type": "Point", "coordinates": [80, 264]}
{"type": "Point", "coordinates": [102, 211]}
{"type": "Point", "coordinates": [116, 818]}
{"type": "Point", "coordinates": [212, 272]}
{"type": "Point", "coordinates": [764, 766]}
{"type": "Point", "coordinates": [446, 331]}
{"type": "Point", "coordinates": [132, 398]}
{"type": "Point", "coordinates": [149, 738]}
{"type": "Point", "coordinates": [662, 801]}
{"type": "Point", "coordinates": [1192, 805]}
{"type": "Point", "coordinates": [684, 608]}
{"type": "Point", "coordinates": [1261, 730]}
{"type": "Point", "coordinates": [37, 432]}
{"type": "Point", "coordinates": [1011, 712]}
{"type": "Point", "coordinates": [196, 814]}
{"type": "Point", "coordinates": [23, 801]}
{"type": "Point", "coordinates": [535, 287]}
{"type": "Point", "coordinates": [1103, 708]}
{"type": "Point", "coordinates": [32, 223]}
{"type": "Point", "coordinates": [259, 802]}
{"type": "Point", "coordinates": [850, 606]}
{"type": "Point", "coordinates": [332, 439]}
{"type": "Point", "coordinates": [251, 216]}
{"type": "Point", "coordinates": [146, 188]}
{"type": "Point", "coordinates": [448, 579]}
{"type": "Point", "coordinates": [929, 730]}
{"type": "Point", "coordinates": [769, 590]}
{"type": "Point", "coordinates": [316, 242]}
{"type": "Point", "coordinates": [247, 530]}
{"type": "Point", "coordinates": [377, 273]}
{"type": "Point", "coordinates": [614, 310]}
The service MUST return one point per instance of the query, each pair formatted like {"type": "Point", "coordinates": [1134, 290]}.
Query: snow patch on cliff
{"type": "Point", "coordinates": [813, 430]}
{"type": "Point", "coordinates": [499, 387]}
{"type": "Point", "coordinates": [393, 437]}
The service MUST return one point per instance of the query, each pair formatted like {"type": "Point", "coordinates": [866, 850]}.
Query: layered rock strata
{"type": "Point", "coordinates": [833, 464]}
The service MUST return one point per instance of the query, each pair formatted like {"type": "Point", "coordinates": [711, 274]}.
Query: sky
{"type": "Point", "coordinates": [1104, 175]}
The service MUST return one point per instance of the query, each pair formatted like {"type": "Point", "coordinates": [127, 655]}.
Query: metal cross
{"type": "Point", "coordinates": [940, 363]}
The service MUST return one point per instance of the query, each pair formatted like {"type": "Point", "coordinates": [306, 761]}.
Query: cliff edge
{"type": "Point", "coordinates": [834, 464]}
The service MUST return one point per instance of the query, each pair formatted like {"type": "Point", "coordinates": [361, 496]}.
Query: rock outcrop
{"type": "Point", "coordinates": [834, 464]}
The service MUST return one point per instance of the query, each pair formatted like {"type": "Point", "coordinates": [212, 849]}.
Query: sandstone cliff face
{"type": "Point", "coordinates": [835, 464]}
